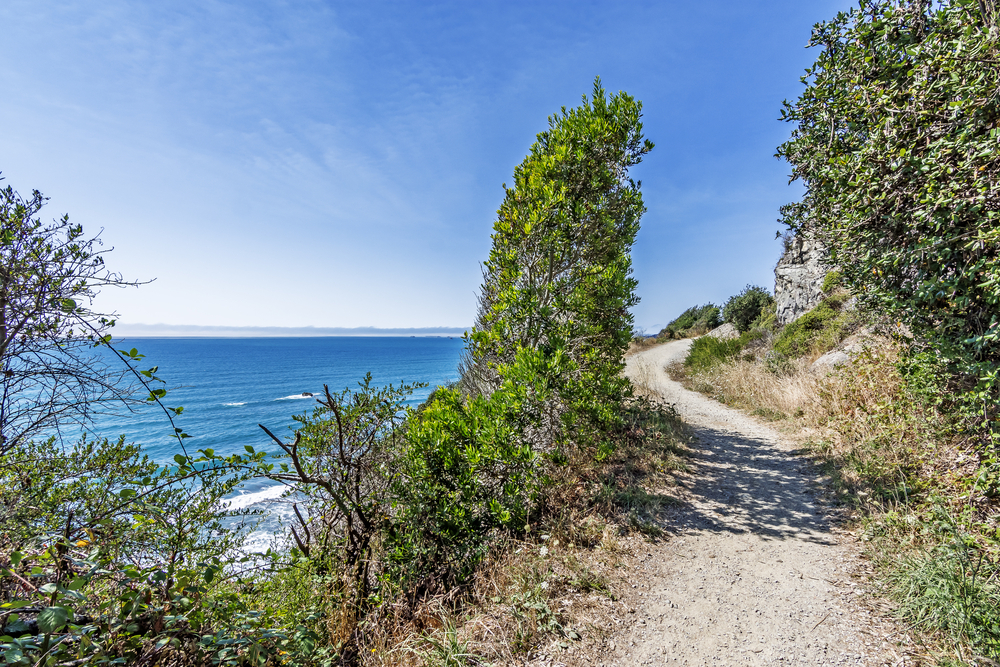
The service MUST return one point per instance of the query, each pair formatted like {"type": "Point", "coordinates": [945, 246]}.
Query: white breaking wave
{"type": "Point", "coordinates": [261, 540]}
{"type": "Point", "coordinates": [249, 499]}
{"type": "Point", "coordinates": [243, 403]}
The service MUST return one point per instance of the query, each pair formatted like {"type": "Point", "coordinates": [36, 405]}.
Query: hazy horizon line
{"type": "Point", "coordinates": [209, 331]}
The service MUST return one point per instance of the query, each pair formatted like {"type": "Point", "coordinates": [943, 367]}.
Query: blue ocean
{"type": "Point", "coordinates": [227, 386]}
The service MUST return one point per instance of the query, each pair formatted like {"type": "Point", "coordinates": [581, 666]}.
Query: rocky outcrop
{"type": "Point", "coordinates": [798, 279]}
{"type": "Point", "coordinates": [726, 332]}
{"type": "Point", "coordinates": [844, 353]}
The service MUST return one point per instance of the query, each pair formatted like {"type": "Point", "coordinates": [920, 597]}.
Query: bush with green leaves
{"type": "Point", "coordinates": [693, 322]}
{"type": "Point", "coordinates": [108, 557]}
{"type": "Point", "coordinates": [896, 140]}
{"type": "Point", "coordinates": [559, 276]}
{"type": "Point", "coordinates": [745, 308]}
{"type": "Point", "coordinates": [708, 351]}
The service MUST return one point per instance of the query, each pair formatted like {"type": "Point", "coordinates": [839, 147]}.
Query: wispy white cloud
{"type": "Point", "coordinates": [339, 164]}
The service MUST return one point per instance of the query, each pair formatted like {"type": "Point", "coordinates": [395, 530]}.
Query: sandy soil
{"type": "Point", "coordinates": [755, 571]}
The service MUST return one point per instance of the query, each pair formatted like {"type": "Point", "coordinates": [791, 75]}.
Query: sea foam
{"type": "Point", "coordinates": [246, 500]}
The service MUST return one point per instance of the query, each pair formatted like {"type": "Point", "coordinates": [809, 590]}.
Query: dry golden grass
{"type": "Point", "coordinates": [751, 386]}
{"type": "Point", "coordinates": [515, 606]}
{"type": "Point", "coordinates": [856, 417]}
{"type": "Point", "coordinates": [640, 344]}
{"type": "Point", "coordinates": [643, 379]}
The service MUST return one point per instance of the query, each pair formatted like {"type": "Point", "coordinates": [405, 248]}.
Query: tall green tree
{"type": "Point", "coordinates": [897, 140]}
{"type": "Point", "coordinates": [559, 276]}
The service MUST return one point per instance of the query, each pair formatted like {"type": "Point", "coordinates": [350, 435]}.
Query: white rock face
{"type": "Point", "coordinates": [798, 279]}
{"type": "Point", "coordinates": [725, 332]}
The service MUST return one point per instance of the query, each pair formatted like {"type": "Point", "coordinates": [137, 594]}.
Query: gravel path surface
{"type": "Point", "coordinates": [755, 573]}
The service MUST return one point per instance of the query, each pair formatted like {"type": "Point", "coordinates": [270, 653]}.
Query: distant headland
{"type": "Point", "coordinates": [190, 330]}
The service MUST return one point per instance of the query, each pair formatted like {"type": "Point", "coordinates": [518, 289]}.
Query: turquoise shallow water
{"type": "Point", "coordinates": [229, 385]}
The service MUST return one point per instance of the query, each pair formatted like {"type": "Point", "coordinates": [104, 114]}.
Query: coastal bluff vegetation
{"type": "Point", "coordinates": [513, 517]}
{"type": "Point", "coordinates": [407, 521]}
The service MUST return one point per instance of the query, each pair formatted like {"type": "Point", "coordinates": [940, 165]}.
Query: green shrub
{"type": "Point", "coordinates": [912, 227]}
{"type": "Point", "coordinates": [747, 307]}
{"type": "Point", "coordinates": [122, 554]}
{"type": "Point", "coordinates": [708, 351]}
{"type": "Point", "coordinates": [768, 318]}
{"type": "Point", "coordinates": [831, 281]}
{"type": "Point", "coordinates": [693, 322]}
{"type": "Point", "coordinates": [819, 330]}
{"type": "Point", "coordinates": [469, 470]}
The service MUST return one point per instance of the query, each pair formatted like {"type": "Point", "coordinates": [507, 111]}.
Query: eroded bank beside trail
{"type": "Point", "coordinates": [754, 570]}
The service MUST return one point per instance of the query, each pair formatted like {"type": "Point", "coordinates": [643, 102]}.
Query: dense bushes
{"type": "Point", "coordinates": [106, 557]}
{"type": "Point", "coordinates": [466, 473]}
{"type": "Point", "coordinates": [694, 321]}
{"type": "Point", "coordinates": [708, 351]}
{"type": "Point", "coordinates": [896, 141]}
{"type": "Point", "coordinates": [745, 308]}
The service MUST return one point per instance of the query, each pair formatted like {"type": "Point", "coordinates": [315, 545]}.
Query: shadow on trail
{"type": "Point", "coordinates": [745, 485]}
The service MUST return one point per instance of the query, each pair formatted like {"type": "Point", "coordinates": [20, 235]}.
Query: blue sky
{"type": "Point", "coordinates": [339, 164]}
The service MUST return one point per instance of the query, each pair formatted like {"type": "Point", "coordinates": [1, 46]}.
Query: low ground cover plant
{"type": "Point", "coordinates": [819, 330]}
{"type": "Point", "coordinates": [708, 351]}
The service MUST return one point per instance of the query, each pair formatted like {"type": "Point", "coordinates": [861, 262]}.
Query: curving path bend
{"type": "Point", "coordinates": [754, 573]}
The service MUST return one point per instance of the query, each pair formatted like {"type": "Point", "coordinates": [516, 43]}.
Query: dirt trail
{"type": "Point", "coordinates": [754, 573]}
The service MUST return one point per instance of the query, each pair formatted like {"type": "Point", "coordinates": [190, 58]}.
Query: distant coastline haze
{"type": "Point", "coordinates": [192, 331]}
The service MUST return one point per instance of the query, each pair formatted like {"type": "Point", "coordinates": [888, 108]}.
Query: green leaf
{"type": "Point", "coordinates": [77, 583]}
{"type": "Point", "coordinates": [16, 604]}
{"type": "Point", "coordinates": [53, 619]}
